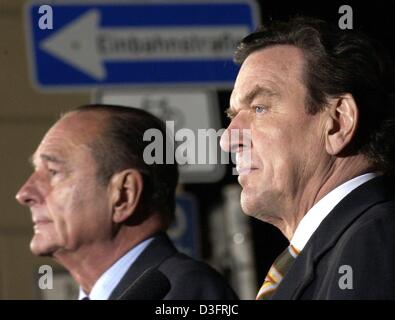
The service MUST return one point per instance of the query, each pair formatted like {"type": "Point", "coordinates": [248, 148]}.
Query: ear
{"type": "Point", "coordinates": [125, 191]}
{"type": "Point", "coordinates": [341, 123]}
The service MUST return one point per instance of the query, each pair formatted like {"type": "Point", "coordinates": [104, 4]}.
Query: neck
{"type": "Point", "coordinates": [89, 262]}
{"type": "Point", "coordinates": [336, 173]}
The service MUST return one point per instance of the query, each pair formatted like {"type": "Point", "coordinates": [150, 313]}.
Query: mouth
{"type": "Point", "coordinates": [243, 171]}
{"type": "Point", "coordinates": [40, 222]}
{"type": "Point", "coordinates": [244, 175]}
{"type": "Point", "coordinates": [39, 225]}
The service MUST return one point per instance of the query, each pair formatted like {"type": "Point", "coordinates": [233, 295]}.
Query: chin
{"type": "Point", "coordinates": [247, 205]}
{"type": "Point", "coordinates": [254, 206]}
{"type": "Point", "coordinates": [40, 249]}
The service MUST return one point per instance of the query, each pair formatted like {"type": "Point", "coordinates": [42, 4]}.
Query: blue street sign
{"type": "Point", "coordinates": [148, 43]}
{"type": "Point", "coordinates": [184, 232]}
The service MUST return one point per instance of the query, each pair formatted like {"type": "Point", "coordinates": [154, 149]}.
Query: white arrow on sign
{"type": "Point", "coordinates": [85, 46]}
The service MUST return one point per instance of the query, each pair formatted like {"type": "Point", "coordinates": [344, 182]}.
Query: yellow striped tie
{"type": "Point", "coordinates": [277, 272]}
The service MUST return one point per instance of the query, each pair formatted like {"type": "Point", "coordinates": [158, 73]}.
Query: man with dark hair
{"type": "Point", "coordinates": [314, 108]}
{"type": "Point", "coordinates": [102, 212]}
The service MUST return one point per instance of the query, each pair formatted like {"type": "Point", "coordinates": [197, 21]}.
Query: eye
{"type": "Point", "coordinates": [260, 109]}
{"type": "Point", "coordinates": [53, 172]}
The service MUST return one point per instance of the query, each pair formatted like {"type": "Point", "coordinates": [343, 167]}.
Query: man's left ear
{"type": "Point", "coordinates": [341, 123]}
{"type": "Point", "coordinates": [125, 191]}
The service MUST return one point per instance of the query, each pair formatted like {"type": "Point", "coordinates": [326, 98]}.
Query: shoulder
{"type": "Point", "coordinates": [192, 279]}
{"type": "Point", "coordinates": [374, 227]}
{"type": "Point", "coordinates": [369, 235]}
{"type": "Point", "coordinates": [364, 255]}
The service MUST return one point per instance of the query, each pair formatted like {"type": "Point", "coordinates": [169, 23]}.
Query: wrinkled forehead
{"type": "Point", "coordinates": [72, 131]}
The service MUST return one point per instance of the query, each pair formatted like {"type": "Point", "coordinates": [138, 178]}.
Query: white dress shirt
{"type": "Point", "coordinates": [322, 208]}
{"type": "Point", "coordinates": [110, 278]}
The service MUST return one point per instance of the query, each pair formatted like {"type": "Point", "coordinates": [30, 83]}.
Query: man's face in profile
{"type": "Point", "coordinates": [69, 206]}
{"type": "Point", "coordinates": [286, 145]}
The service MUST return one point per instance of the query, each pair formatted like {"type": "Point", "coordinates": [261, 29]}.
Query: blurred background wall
{"type": "Point", "coordinates": [25, 115]}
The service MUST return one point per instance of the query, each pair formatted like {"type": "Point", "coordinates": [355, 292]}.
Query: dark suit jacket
{"type": "Point", "coordinates": [360, 233]}
{"type": "Point", "coordinates": [189, 279]}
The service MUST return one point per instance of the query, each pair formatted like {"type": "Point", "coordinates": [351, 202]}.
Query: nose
{"type": "Point", "coordinates": [237, 137]}
{"type": "Point", "coordinates": [29, 194]}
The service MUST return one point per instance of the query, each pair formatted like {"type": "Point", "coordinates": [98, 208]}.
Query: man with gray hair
{"type": "Point", "coordinates": [100, 211]}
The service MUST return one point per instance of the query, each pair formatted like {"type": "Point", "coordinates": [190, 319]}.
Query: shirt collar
{"type": "Point", "coordinates": [110, 278]}
{"type": "Point", "coordinates": [313, 218]}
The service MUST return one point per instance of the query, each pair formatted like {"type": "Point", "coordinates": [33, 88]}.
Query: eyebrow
{"type": "Point", "coordinates": [259, 91]}
{"type": "Point", "coordinates": [46, 157]}
{"type": "Point", "coordinates": [247, 98]}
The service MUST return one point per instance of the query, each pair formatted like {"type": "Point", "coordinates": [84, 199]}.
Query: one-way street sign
{"type": "Point", "coordinates": [152, 43]}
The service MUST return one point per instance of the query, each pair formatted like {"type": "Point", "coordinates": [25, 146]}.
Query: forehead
{"type": "Point", "coordinates": [70, 134]}
{"type": "Point", "coordinates": [279, 69]}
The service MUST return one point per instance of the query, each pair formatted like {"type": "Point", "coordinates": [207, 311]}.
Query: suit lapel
{"type": "Point", "coordinates": [330, 230]}
{"type": "Point", "coordinates": [157, 251]}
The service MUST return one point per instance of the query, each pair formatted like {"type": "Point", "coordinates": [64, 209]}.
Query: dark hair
{"type": "Point", "coordinates": [339, 62]}
{"type": "Point", "coordinates": [121, 146]}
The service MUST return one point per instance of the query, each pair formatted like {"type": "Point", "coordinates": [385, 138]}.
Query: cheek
{"type": "Point", "coordinates": [287, 152]}
{"type": "Point", "coordinates": [62, 200]}
{"type": "Point", "coordinates": [280, 152]}
{"type": "Point", "coordinates": [273, 145]}
{"type": "Point", "coordinates": [90, 206]}
{"type": "Point", "coordinates": [66, 208]}
{"type": "Point", "coordinates": [79, 214]}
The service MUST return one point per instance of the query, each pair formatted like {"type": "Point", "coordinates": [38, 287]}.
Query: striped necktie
{"type": "Point", "coordinates": [277, 272]}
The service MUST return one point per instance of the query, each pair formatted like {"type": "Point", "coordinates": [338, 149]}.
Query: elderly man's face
{"type": "Point", "coordinates": [69, 206]}
{"type": "Point", "coordinates": [283, 140]}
